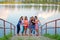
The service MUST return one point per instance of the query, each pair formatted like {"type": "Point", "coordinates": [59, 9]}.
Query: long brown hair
{"type": "Point", "coordinates": [26, 18]}
{"type": "Point", "coordinates": [22, 17]}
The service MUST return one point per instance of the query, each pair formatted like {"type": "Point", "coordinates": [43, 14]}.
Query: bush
{"type": "Point", "coordinates": [57, 36]}
{"type": "Point", "coordinates": [6, 37]}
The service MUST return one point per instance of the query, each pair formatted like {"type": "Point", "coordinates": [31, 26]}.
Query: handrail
{"type": "Point", "coordinates": [7, 21]}
{"type": "Point", "coordinates": [50, 21]}
{"type": "Point", "coordinates": [46, 27]}
{"type": "Point", "coordinates": [41, 28]}
{"type": "Point", "coordinates": [4, 26]}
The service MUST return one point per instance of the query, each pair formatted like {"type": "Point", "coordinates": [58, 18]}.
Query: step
{"type": "Point", "coordinates": [30, 38]}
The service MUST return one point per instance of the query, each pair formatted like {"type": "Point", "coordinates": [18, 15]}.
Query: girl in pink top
{"type": "Point", "coordinates": [36, 25]}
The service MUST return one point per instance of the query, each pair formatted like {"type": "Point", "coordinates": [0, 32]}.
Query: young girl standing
{"type": "Point", "coordinates": [21, 26]}
{"type": "Point", "coordinates": [36, 25]}
{"type": "Point", "coordinates": [18, 26]}
{"type": "Point", "coordinates": [25, 24]}
{"type": "Point", "coordinates": [33, 25]}
{"type": "Point", "coordinates": [30, 26]}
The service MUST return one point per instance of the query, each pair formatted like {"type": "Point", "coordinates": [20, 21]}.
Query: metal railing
{"type": "Point", "coordinates": [46, 27]}
{"type": "Point", "coordinates": [41, 28]}
{"type": "Point", "coordinates": [12, 27]}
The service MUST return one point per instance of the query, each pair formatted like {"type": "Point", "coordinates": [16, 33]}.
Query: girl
{"type": "Point", "coordinates": [33, 25]}
{"type": "Point", "coordinates": [36, 25]}
{"type": "Point", "coordinates": [21, 25]}
{"type": "Point", "coordinates": [18, 26]}
{"type": "Point", "coordinates": [25, 24]}
{"type": "Point", "coordinates": [30, 24]}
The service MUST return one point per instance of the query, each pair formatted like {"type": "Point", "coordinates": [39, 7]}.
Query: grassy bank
{"type": "Point", "coordinates": [57, 36]}
{"type": "Point", "coordinates": [30, 2]}
{"type": "Point", "coordinates": [6, 37]}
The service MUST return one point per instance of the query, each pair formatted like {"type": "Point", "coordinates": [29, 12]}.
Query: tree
{"type": "Point", "coordinates": [9, 0]}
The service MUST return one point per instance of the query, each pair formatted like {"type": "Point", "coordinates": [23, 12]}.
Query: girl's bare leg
{"type": "Point", "coordinates": [25, 32]}
{"type": "Point", "coordinates": [37, 32]}
{"type": "Point", "coordinates": [30, 33]}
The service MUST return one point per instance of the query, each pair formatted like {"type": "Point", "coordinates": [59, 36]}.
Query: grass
{"type": "Point", "coordinates": [57, 36]}
{"type": "Point", "coordinates": [6, 37]}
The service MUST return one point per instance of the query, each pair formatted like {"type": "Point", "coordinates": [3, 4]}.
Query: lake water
{"type": "Point", "coordinates": [44, 12]}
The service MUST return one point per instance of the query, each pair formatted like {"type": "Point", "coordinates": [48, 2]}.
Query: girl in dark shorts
{"type": "Point", "coordinates": [33, 25]}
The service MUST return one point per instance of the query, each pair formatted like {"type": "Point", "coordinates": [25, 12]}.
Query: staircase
{"type": "Point", "coordinates": [30, 38]}
{"type": "Point", "coordinates": [15, 37]}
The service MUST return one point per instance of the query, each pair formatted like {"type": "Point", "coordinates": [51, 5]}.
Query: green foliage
{"type": "Point", "coordinates": [30, 1]}
{"type": "Point", "coordinates": [6, 37]}
{"type": "Point", "coordinates": [57, 36]}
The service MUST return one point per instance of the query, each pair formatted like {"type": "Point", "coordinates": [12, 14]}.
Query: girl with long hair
{"type": "Point", "coordinates": [25, 24]}
{"type": "Point", "coordinates": [36, 26]}
{"type": "Point", "coordinates": [18, 26]}
{"type": "Point", "coordinates": [22, 26]}
{"type": "Point", "coordinates": [33, 25]}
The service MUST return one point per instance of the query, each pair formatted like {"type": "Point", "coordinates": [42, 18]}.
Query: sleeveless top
{"type": "Point", "coordinates": [36, 24]}
{"type": "Point", "coordinates": [25, 22]}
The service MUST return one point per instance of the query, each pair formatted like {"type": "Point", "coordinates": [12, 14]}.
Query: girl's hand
{"type": "Point", "coordinates": [33, 21]}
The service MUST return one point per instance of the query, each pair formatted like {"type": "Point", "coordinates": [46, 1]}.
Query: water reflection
{"type": "Point", "coordinates": [36, 7]}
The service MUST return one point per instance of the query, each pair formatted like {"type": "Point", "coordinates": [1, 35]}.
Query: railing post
{"type": "Point", "coordinates": [11, 28]}
{"type": "Point", "coordinates": [46, 28]}
{"type": "Point", "coordinates": [4, 28]}
{"type": "Point", "coordinates": [55, 27]}
{"type": "Point", "coordinates": [14, 30]}
{"type": "Point", "coordinates": [41, 30]}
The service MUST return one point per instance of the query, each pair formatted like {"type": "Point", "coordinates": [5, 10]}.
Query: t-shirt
{"type": "Point", "coordinates": [33, 22]}
{"type": "Point", "coordinates": [18, 25]}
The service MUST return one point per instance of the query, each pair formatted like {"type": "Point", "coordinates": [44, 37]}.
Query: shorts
{"type": "Point", "coordinates": [30, 26]}
{"type": "Point", "coordinates": [25, 27]}
{"type": "Point", "coordinates": [33, 29]}
{"type": "Point", "coordinates": [33, 26]}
